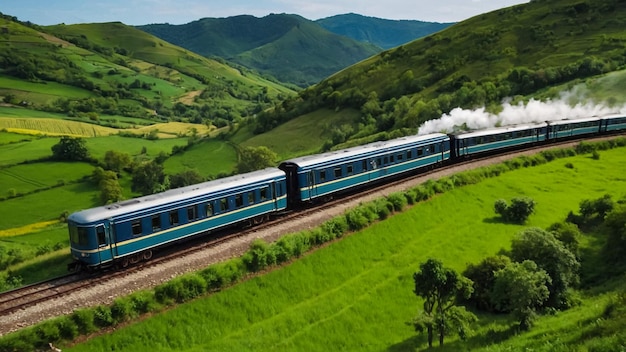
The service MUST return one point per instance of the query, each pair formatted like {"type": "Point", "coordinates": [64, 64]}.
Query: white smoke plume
{"type": "Point", "coordinates": [533, 111]}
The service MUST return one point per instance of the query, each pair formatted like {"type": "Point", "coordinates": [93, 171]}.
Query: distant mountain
{"type": "Point", "coordinates": [288, 47]}
{"type": "Point", "coordinates": [380, 32]}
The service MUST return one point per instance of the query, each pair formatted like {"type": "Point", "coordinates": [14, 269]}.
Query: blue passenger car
{"type": "Point", "coordinates": [321, 175]}
{"type": "Point", "coordinates": [127, 231]}
{"type": "Point", "coordinates": [465, 144]}
{"type": "Point", "coordinates": [613, 123]}
{"type": "Point", "coordinates": [571, 128]}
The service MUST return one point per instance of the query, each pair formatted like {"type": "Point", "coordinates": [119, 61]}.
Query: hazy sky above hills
{"type": "Point", "coordinates": [139, 12]}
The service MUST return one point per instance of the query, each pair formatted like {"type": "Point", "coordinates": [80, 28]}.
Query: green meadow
{"type": "Point", "coordinates": [356, 294]}
{"type": "Point", "coordinates": [209, 158]}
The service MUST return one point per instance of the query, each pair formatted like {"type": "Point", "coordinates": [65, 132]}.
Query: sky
{"type": "Point", "coordinates": [140, 12]}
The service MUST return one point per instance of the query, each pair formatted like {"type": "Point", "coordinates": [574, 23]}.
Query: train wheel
{"type": "Point", "coordinates": [135, 259]}
{"type": "Point", "coordinates": [147, 255]}
{"type": "Point", "coordinates": [259, 220]}
{"type": "Point", "coordinates": [124, 263]}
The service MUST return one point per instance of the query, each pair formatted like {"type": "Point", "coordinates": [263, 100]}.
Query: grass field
{"type": "Point", "coordinates": [209, 158]}
{"type": "Point", "coordinates": [304, 135]}
{"type": "Point", "coordinates": [30, 177]}
{"type": "Point", "coordinates": [11, 154]}
{"type": "Point", "coordinates": [356, 294]}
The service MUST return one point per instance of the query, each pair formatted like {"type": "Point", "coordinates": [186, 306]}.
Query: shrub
{"type": "Point", "coordinates": [84, 319]}
{"type": "Point", "coordinates": [398, 201]}
{"type": "Point", "coordinates": [259, 256]}
{"type": "Point", "coordinates": [102, 316]}
{"type": "Point", "coordinates": [518, 211]}
{"type": "Point", "coordinates": [143, 302]}
{"type": "Point", "coordinates": [67, 327]}
{"type": "Point", "coordinates": [47, 331]}
{"type": "Point", "coordinates": [356, 219]}
{"type": "Point", "coordinates": [122, 310]}
{"type": "Point", "coordinates": [181, 289]}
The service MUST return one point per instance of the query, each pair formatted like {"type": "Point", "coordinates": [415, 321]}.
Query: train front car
{"type": "Point", "coordinates": [126, 232]}
{"type": "Point", "coordinates": [321, 176]}
{"type": "Point", "coordinates": [496, 140]}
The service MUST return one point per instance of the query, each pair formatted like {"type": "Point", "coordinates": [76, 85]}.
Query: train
{"type": "Point", "coordinates": [129, 231]}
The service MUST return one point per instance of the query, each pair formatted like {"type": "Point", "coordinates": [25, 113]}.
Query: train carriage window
{"type": "Point", "coordinates": [392, 158]}
{"type": "Point", "coordinates": [192, 213]}
{"type": "Point", "coordinates": [136, 227]}
{"type": "Point", "coordinates": [409, 154]}
{"type": "Point", "coordinates": [364, 165]}
{"type": "Point", "coordinates": [102, 240]}
{"type": "Point", "coordinates": [209, 210]}
{"type": "Point", "coordinates": [380, 162]}
{"type": "Point", "coordinates": [400, 157]}
{"type": "Point", "coordinates": [386, 160]}
{"type": "Point", "coordinates": [265, 193]}
{"type": "Point", "coordinates": [349, 169]}
{"type": "Point", "coordinates": [238, 200]}
{"type": "Point", "coordinates": [223, 204]}
{"type": "Point", "coordinates": [174, 218]}
{"type": "Point", "coordinates": [420, 151]}
{"type": "Point", "coordinates": [156, 223]}
{"type": "Point", "coordinates": [250, 197]}
{"type": "Point", "coordinates": [322, 175]}
{"type": "Point", "coordinates": [338, 172]}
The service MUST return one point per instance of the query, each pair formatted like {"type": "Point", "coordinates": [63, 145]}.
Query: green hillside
{"type": "Point", "coordinates": [288, 47]}
{"type": "Point", "coordinates": [518, 51]}
{"type": "Point", "coordinates": [114, 69]}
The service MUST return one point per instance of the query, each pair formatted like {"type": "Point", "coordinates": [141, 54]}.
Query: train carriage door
{"type": "Point", "coordinates": [105, 253]}
{"type": "Point", "coordinates": [310, 183]}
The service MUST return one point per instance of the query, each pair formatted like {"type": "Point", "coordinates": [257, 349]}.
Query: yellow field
{"type": "Point", "coordinates": [26, 229]}
{"type": "Point", "coordinates": [56, 127]}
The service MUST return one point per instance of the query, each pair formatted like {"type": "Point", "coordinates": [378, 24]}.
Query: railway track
{"type": "Point", "coordinates": [22, 299]}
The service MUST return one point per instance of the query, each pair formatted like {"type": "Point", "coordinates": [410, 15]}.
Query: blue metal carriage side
{"type": "Point", "coordinates": [128, 230]}
{"type": "Point", "coordinates": [575, 127]}
{"type": "Point", "coordinates": [465, 144]}
{"type": "Point", "coordinates": [613, 123]}
{"type": "Point", "coordinates": [321, 175]}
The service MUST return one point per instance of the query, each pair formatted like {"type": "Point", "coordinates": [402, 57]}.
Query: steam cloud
{"type": "Point", "coordinates": [533, 111]}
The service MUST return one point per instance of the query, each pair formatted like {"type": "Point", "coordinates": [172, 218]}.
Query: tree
{"type": "Point", "coordinates": [110, 189]}
{"type": "Point", "coordinates": [70, 148]}
{"type": "Point", "coordinates": [518, 211]}
{"type": "Point", "coordinates": [251, 159]}
{"type": "Point", "coordinates": [483, 278]}
{"type": "Point", "coordinates": [551, 255]}
{"type": "Point", "coordinates": [185, 178]}
{"type": "Point", "coordinates": [521, 288]}
{"type": "Point", "coordinates": [116, 161]}
{"type": "Point", "coordinates": [439, 287]}
{"type": "Point", "coordinates": [149, 178]}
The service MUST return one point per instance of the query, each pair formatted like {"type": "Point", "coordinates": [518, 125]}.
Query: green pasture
{"type": "Point", "coordinates": [50, 90]}
{"type": "Point", "coordinates": [303, 135]}
{"type": "Point", "coordinates": [356, 294]}
{"type": "Point", "coordinates": [10, 137]}
{"type": "Point", "coordinates": [6, 111]}
{"type": "Point", "coordinates": [14, 153]}
{"type": "Point", "coordinates": [98, 146]}
{"type": "Point", "coordinates": [48, 205]}
{"type": "Point", "coordinates": [209, 158]}
{"type": "Point", "coordinates": [27, 178]}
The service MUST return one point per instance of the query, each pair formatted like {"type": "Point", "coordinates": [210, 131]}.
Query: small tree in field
{"type": "Point", "coordinates": [439, 287]}
{"type": "Point", "coordinates": [518, 211]}
{"type": "Point", "coordinates": [71, 149]}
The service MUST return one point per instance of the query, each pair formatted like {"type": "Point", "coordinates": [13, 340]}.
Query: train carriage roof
{"type": "Point", "coordinates": [366, 149]}
{"type": "Point", "coordinates": [497, 130]}
{"type": "Point", "coordinates": [565, 122]}
{"type": "Point", "coordinates": [219, 187]}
